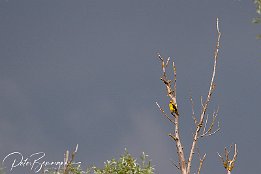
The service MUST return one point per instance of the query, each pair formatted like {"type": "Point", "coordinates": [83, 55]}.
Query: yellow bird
{"type": "Point", "coordinates": [173, 107]}
{"type": "Point", "coordinates": [230, 166]}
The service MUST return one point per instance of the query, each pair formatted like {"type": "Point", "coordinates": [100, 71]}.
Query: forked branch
{"type": "Point", "coordinates": [227, 163]}
{"type": "Point", "coordinates": [201, 161]}
{"type": "Point", "coordinates": [210, 130]}
{"type": "Point", "coordinates": [171, 93]}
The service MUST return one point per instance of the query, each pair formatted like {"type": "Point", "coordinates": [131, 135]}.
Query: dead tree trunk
{"type": "Point", "coordinates": [202, 129]}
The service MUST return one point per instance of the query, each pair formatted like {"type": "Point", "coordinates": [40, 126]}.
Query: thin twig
{"type": "Point", "coordinates": [206, 122]}
{"type": "Point", "coordinates": [201, 160]}
{"type": "Point", "coordinates": [167, 63]}
{"type": "Point", "coordinates": [175, 79]}
{"type": "Point", "coordinates": [173, 137]}
{"type": "Point", "coordinates": [174, 163]}
{"type": "Point", "coordinates": [210, 131]}
{"type": "Point", "coordinates": [201, 101]}
{"type": "Point", "coordinates": [235, 153]}
{"type": "Point", "coordinates": [163, 112]}
{"type": "Point", "coordinates": [193, 111]}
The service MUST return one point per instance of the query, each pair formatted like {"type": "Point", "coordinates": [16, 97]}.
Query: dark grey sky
{"type": "Point", "coordinates": [86, 72]}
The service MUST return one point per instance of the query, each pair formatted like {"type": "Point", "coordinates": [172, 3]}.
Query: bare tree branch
{"type": "Point", "coordinates": [193, 111]}
{"type": "Point", "coordinates": [171, 120]}
{"type": "Point", "coordinates": [205, 104]}
{"type": "Point", "coordinates": [201, 101]}
{"type": "Point", "coordinates": [167, 63]}
{"type": "Point", "coordinates": [210, 131]}
{"type": "Point", "coordinates": [175, 79]}
{"type": "Point", "coordinates": [227, 163]}
{"type": "Point", "coordinates": [201, 161]}
{"type": "Point", "coordinates": [174, 164]}
{"type": "Point", "coordinates": [171, 93]}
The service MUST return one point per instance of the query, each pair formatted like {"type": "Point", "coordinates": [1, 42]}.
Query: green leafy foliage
{"type": "Point", "coordinates": [258, 6]}
{"type": "Point", "coordinates": [257, 20]}
{"type": "Point", "coordinates": [72, 169]}
{"type": "Point", "coordinates": [125, 165]}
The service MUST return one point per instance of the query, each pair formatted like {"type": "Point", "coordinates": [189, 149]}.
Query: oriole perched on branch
{"type": "Point", "coordinates": [173, 108]}
{"type": "Point", "coordinates": [229, 165]}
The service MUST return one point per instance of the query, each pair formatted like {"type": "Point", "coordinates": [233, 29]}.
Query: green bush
{"type": "Point", "coordinates": [125, 165]}
{"type": "Point", "coordinates": [257, 20]}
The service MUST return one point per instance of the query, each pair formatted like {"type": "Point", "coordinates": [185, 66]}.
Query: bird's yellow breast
{"type": "Point", "coordinates": [171, 107]}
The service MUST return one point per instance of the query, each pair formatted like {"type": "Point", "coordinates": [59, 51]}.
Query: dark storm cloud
{"type": "Point", "coordinates": [86, 72]}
